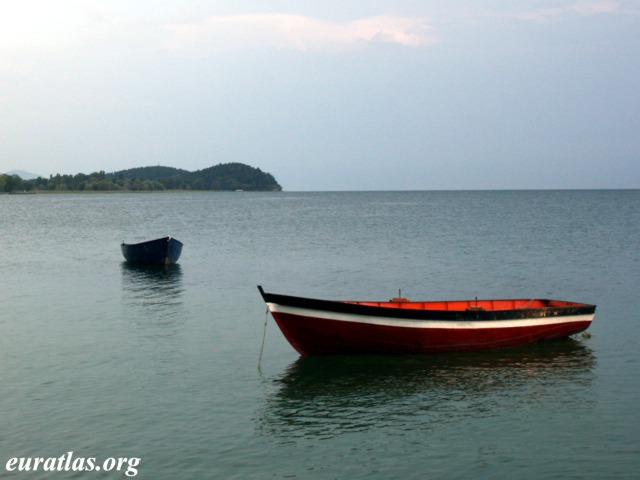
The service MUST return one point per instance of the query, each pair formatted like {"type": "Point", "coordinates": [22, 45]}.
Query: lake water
{"type": "Point", "coordinates": [109, 361]}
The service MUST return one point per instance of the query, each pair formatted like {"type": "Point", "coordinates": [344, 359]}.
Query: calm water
{"type": "Point", "coordinates": [106, 360]}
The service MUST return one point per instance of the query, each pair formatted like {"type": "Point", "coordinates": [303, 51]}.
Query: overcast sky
{"type": "Point", "coordinates": [327, 95]}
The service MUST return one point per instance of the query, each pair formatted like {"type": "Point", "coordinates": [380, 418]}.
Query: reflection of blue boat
{"type": "Point", "coordinates": [152, 288]}
{"type": "Point", "coordinates": [162, 251]}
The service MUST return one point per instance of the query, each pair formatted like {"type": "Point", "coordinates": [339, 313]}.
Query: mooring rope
{"type": "Point", "coordinates": [264, 335]}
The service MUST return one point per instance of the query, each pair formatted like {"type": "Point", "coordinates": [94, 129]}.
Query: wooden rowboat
{"type": "Point", "coordinates": [400, 326]}
{"type": "Point", "coordinates": [162, 251]}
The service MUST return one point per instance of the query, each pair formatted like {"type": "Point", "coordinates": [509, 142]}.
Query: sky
{"type": "Point", "coordinates": [327, 96]}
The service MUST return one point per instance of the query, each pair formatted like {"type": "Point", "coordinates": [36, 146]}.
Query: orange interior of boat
{"type": "Point", "coordinates": [508, 304]}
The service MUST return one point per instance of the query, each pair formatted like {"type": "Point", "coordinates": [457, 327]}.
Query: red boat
{"type": "Point", "coordinates": [400, 326]}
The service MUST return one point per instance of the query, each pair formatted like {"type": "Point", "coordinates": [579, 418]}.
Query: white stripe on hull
{"type": "Point", "coordinates": [428, 324]}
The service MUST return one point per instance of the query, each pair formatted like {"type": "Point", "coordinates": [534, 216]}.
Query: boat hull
{"type": "Point", "coordinates": [319, 327]}
{"type": "Point", "coordinates": [162, 251]}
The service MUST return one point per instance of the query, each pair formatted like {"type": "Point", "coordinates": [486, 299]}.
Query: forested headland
{"type": "Point", "coordinates": [222, 177]}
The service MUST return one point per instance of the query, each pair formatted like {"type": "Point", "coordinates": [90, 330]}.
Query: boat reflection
{"type": "Point", "coordinates": [328, 395]}
{"type": "Point", "coordinates": [154, 290]}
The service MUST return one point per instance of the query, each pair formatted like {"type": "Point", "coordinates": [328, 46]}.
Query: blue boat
{"type": "Point", "coordinates": [162, 251]}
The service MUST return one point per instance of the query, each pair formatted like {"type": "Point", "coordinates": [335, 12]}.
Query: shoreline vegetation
{"type": "Point", "coordinates": [227, 177]}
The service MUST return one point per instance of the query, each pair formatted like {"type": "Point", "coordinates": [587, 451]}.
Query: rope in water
{"type": "Point", "coordinates": [264, 335]}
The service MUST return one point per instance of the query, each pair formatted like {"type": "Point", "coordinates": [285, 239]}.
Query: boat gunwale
{"type": "Point", "coordinates": [168, 239]}
{"type": "Point", "coordinates": [399, 312]}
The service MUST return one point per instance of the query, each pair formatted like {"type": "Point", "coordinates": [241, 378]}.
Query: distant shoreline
{"type": "Point", "coordinates": [98, 192]}
{"type": "Point", "coordinates": [234, 177]}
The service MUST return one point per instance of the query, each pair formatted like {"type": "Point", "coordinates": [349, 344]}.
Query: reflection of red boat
{"type": "Point", "coordinates": [321, 327]}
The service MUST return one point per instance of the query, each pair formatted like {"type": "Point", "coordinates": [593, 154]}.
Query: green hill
{"type": "Point", "coordinates": [234, 176]}
{"type": "Point", "coordinates": [222, 177]}
{"type": "Point", "coordinates": [151, 173]}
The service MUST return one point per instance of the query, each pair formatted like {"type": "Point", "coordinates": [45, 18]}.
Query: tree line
{"type": "Point", "coordinates": [222, 177]}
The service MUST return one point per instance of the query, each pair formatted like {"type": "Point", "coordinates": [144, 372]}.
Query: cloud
{"type": "Point", "coordinates": [36, 30]}
{"type": "Point", "coordinates": [583, 9]}
{"type": "Point", "coordinates": [297, 32]}
{"type": "Point", "coordinates": [44, 25]}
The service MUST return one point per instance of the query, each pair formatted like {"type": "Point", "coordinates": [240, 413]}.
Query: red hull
{"type": "Point", "coordinates": [318, 336]}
